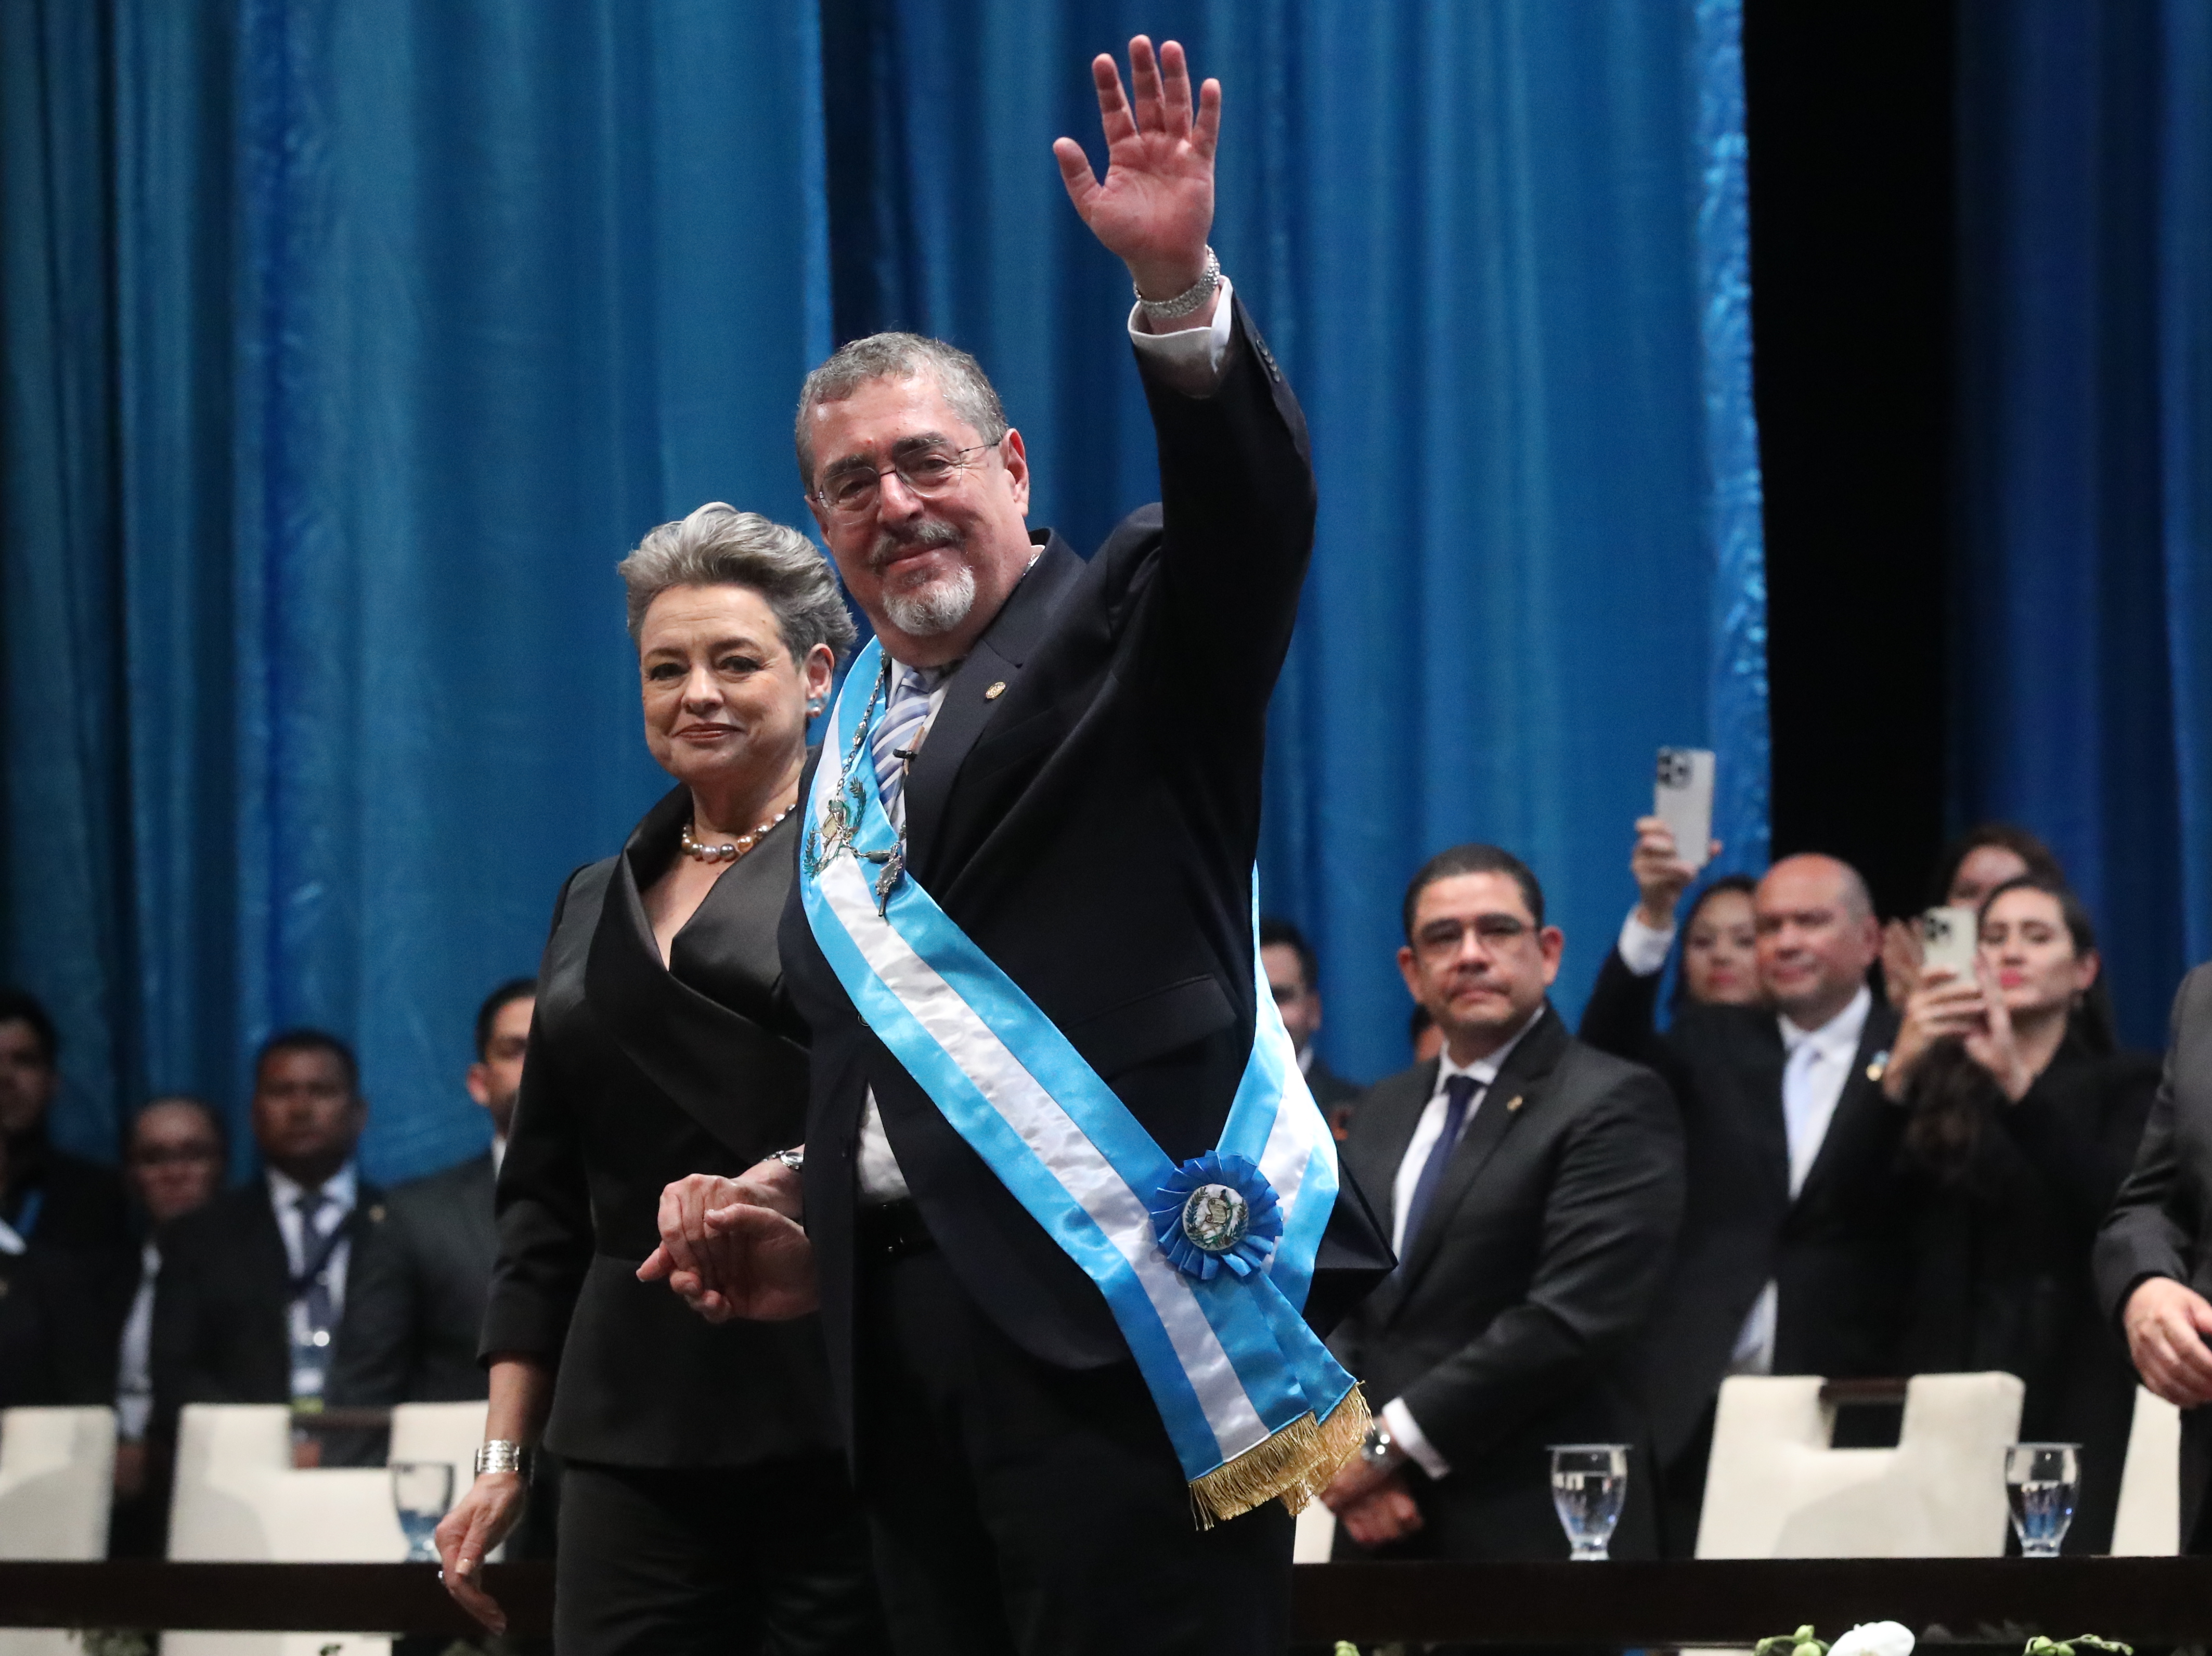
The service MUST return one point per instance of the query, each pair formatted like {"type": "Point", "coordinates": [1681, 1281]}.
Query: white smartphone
{"type": "Point", "coordinates": [1683, 800]}
{"type": "Point", "coordinates": [1948, 939]}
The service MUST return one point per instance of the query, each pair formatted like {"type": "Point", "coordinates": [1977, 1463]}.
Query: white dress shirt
{"type": "Point", "coordinates": [1405, 1430]}
{"type": "Point", "coordinates": [1191, 361]}
{"type": "Point", "coordinates": [284, 1193]}
{"type": "Point", "coordinates": [1814, 1072]}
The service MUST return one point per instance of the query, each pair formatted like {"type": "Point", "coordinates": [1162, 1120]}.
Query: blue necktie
{"type": "Point", "coordinates": [311, 1287]}
{"type": "Point", "coordinates": [897, 729]}
{"type": "Point", "coordinates": [1459, 1093]}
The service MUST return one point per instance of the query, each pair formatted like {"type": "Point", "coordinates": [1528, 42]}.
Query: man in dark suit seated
{"type": "Point", "coordinates": [46, 1194]}
{"type": "Point", "coordinates": [1532, 1186]}
{"type": "Point", "coordinates": [1294, 977]}
{"type": "Point", "coordinates": [415, 1303]}
{"type": "Point", "coordinates": [253, 1285]}
{"type": "Point", "coordinates": [1791, 1259]}
{"type": "Point", "coordinates": [2154, 1269]}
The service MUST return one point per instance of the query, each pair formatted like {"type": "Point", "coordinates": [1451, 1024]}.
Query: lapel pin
{"type": "Point", "coordinates": [376, 1214]}
{"type": "Point", "coordinates": [1512, 1103]}
{"type": "Point", "coordinates": [998, 689]}
{"type": "Point", "coordinates": [1878, 1068]}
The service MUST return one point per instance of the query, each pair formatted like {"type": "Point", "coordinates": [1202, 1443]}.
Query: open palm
{"type": "Point", "coordinates": [1155, 206]}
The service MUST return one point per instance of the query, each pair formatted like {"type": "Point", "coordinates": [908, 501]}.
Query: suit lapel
{"type": "Point", "coordinates": [969, 707]}
{"type": "Point", "coordinates": [1378, 1169]}
{"type": "Point", "coordinates": [1859, 1088]}
{"type": "Point", "coordinates": [1505, 1102]}
{"type": "Point", "coordinates": [707, 1059]}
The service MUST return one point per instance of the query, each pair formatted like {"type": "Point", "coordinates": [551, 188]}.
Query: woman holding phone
{"type": "Point", "coordinates": [2024, 1119]}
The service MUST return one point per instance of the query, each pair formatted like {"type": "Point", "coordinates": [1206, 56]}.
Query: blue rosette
{"type": "Point", "coordinates": [1214, 1211]}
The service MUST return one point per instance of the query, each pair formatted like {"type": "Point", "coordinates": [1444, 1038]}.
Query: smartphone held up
{"type": "Point", "coordinates": [1683, 800]}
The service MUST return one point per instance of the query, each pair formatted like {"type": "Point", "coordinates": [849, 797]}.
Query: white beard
{"type": "Point", "coordinates": [934, 608]}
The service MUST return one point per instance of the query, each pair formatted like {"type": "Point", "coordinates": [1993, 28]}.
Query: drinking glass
{"type": "Point", "coordinates": [2041, 1482]}
{"type": "Point", "coordinates": [1588, 1482]}
{"type": "Point", "coordinates": [420, 1492]}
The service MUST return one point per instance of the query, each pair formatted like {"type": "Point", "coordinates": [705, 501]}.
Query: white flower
{"type": "Point", "coordinates": [1874, 1639]}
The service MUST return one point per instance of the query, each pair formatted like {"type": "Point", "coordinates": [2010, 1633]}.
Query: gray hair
{"type": "Point", "coordinates": [720, 546]}
{"type": "Point", "coordinates": [897, 356]}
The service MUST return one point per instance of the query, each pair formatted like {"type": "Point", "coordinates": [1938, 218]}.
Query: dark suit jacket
{"type": "Point", "coordinates": [1836, 1251]}
{"type": "Point", "coordinates": [221, 1303]}
{"type": "Point", "coordinates": [1336, 1096]}
{"type": "Point", "coordinates": [62, 1312]}
{"type": "Point", "coordinates": [2161, 1221]}
{"type": "Point", "coordinates": [1092, 827]}
{"type": "Point", "coordinates": [637, 1075]}
{"type": "Point", "coordinates": [416, 1292]}
{"type": "Point", "coordinates": [80, 1202]}
{"type": "Point", "coordinates": [1508, 1325]}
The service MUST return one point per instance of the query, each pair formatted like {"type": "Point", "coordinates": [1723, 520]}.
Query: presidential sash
{"type": "Point", "coordinates": [1205, 1265]}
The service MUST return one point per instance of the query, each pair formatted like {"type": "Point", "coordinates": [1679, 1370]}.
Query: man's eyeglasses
{"type": "Point", "coordinates": [851, 491]}
{"type": "Point", "coordinates": [1492, 933]}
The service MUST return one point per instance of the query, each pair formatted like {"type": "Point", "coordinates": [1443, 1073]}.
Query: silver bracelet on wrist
{"type": "Point", "coordinates": [1170, 310]}
{"type": "Point", "coordinates": [500, 1455]}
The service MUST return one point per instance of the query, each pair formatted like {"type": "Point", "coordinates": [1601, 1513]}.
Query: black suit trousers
{"type": "Point", "coordinates": [1018, 1507]}
{"type": "Point", "coordinates": [720, 1561]}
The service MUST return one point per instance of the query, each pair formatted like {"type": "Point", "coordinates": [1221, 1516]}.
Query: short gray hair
{"type": "Point", "coordinates": [959, 376]}
{"type": "Point", "coordinates": [719, 545]}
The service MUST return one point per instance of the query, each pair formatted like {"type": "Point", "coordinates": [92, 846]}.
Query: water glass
{"type": "Point", "coordinates": [2041, 1482]}
{"type": "Point", "coordinates": [1590, 1481]}
{"type": "Point", "coordinates": [420, 1492]}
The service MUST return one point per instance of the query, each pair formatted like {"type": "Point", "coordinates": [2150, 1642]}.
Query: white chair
{"type": "Point", "coordinates": [239, 1500]}
{"type": "Point", "coordinates": [2148, 1523]}
{"type": "Point", "coordinates": [1775, 1487]}
{"type": "Point", "coordinates": [57, 1479]}
{"type": "Point", "coordinates": [1315, 1538]}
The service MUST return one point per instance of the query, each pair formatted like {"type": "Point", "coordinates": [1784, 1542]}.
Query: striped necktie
{"type": "Point", "coordinates": [898, 729]}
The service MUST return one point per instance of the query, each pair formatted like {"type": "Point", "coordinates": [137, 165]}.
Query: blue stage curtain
{"type": "Point", "coordinates": [1500, 252]}
{"type": "Point", "coordinates": [2085, 683]}
{"type": "Point", "coordinates": [348, 348]}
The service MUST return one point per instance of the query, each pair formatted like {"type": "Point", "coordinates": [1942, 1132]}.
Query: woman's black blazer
{"type": "Point", "coordinates": [637, 1075]}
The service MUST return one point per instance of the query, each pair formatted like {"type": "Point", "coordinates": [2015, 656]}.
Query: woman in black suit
{"type": "Point", "coordinates": [703, 1500]}
{"type": "Point", "coordinates": [2024, 1119]}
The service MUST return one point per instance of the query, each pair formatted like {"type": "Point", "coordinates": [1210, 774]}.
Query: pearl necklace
{"type": "Point", "coordinates": [729, 850]}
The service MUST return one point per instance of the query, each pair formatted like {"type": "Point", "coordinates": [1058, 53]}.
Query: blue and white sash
{"type": "Point", "coordinates": [1204, 1266]}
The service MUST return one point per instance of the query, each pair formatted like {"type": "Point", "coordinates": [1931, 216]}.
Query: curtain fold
{"type": "Point", "coordinates": [376, 336]}
{"type": "Point", "coordinates": [2086, 295]}
{"type": "Point", "coordinates": [1500, 250]}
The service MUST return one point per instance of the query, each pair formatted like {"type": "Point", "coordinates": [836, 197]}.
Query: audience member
{"type": "Point", "coordinates": [415, 1305]}
{"type": "Point", "coordinates": [1719, 965]}
{"type": "Point", "coordinates": [1792, 1259]}
{"type": "Point", "coordinates": [253, 1285]}
{"type": "Point", "coordinates": [1294, 976]}
{"type": "Point", "coordinates": [2023, 1121]}
{"type": "Point", "coordinates": [1978, 862]}
{"type": "Point", "coordinates": [1532, 1186]}
{"type": "Point", "coordinates": [2152, 1264]}
{"type": "Point", "coordinates": [48, 1195]}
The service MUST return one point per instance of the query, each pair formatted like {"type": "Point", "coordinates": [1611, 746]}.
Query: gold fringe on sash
{"type": "Point", "coordinates": [1293, 1465]}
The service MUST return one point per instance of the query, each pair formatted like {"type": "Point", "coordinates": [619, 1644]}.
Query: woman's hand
{"type": "Point", "coordinates": [1155, 208]}
{"type": "Point", "coordinates": [1901, 955]}
{"type": "Point", "coordinates": [1992, 1044]}
{"type": "Point", "coordinates": [484, 1518]}
{"type": "Point", "coordinates": [733, 1247]}
{"type": "Point", "coordinates": [1941, 1005]}
{"type": "Point", "coordinates": [1661, 874]}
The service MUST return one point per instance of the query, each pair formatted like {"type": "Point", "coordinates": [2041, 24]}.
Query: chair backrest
{"type": "Point", "coordinates": [1775, 1487]}
{"type": "Point", "coordinates": [238, 1499]}
{"type": "Point", "coordinates": [2148, 1522]}
{"type": "Point", "coordinates": [57, 1479]}
{"type": "Point", "coordinates": [1314, 1539]}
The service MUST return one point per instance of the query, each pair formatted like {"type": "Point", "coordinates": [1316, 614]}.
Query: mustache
{"type": "Point", "coordinates": [928, 533]}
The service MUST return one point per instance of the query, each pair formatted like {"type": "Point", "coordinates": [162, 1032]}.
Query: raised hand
{"type": "Point", "coordinates": [1661, 874]}
{"type": "Point", "coordinates": [1155, 207]}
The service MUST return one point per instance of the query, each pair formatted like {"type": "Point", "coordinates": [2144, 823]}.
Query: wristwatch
{"type": "Point", "coordinates": [794, 1159]}
{"type": "Point", "coordinates": [1377, 1448]}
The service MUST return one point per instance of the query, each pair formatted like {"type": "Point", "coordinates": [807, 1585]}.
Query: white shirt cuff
{"type": "Point", "coordinates": [1644, 948]}
{"type": "Point", "coordinates": [1406, 1432]}
{"type": "Point", "coordinates": [1190, 358]}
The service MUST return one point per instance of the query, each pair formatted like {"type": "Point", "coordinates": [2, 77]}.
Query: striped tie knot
{"type": "Point", "coordinates": [896, 732]}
